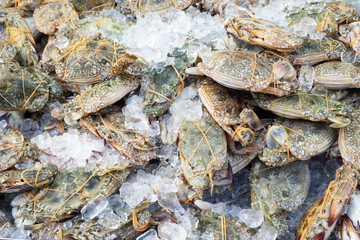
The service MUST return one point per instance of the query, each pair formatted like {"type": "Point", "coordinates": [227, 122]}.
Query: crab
{"type": "Point", "coordinates": [349, 141]}
{"type": "Point", "coordinates": [258, 31]}
{"type": "Point", "coordinates": [49, 16]}
{"type": "Point", "coordinates": [18, 35]}
{"type": "Point", "coordinates": [93, 61]}
{"type": "Point", "coordinates": [73, 33]}
{"type": "Point", "coordinates": [202, 150]}
{"type": "Point", "coordinates": [88, 5]}
{"type": "Point", "coordinates": [313, 107]}
{"type": "Point", "coordinates": [227, 113]}
{"type": "Point", "coordinates": [69, 192]}
{"type": "Point", "coordinates": [348, 230]}
{"type": "Point", "coordinates": [99, 227]}
{"type": "Point", "coordinates": [7, 52]}
{"type": "Point", "coordinates": [213, 223]}
{"type": "Point", "coordinates": [315, 51]}
{"type": "Point", "coordinates": [326, 14]}
{"type": "Point", "coordinates": [109, 223]}
{"type": "Point", "coordinates": [165, 85]}
{"type": "Point", "coordinates": [333, 75]}
{"type": "Point", "coordinates": [15, 148]}
{"type": "Point", "coordinates": [111, 127]}
{"type": "Point", "coordinates": [23, 180]}
{"type": "Point", "coordinates": [321, 217]}
{"type": "Point", "coordinates": [26, 5]}
{"type": "Point", "coordinates": [94, 98]}
{"type": "Point", "coordinates": [290, 140]}
{"type": "Point", "coordinates": [351, 36]}
{"type": "Point", "coordinates": [25, 89]}
{"type": "Point", "coordinates": [244, 70]}
{"type": "Point", "coordinates": [108, 27]}
{"type": "Point", "coordinates": [277, 190]}
{"type": "Point", "coordinates": [353, 221]}
{"type": "Point", "coordinates": [141, 7]}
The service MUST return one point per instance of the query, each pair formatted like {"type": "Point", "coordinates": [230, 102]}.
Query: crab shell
{"type": "Point", "coordinates": [69, 192]}
{"type": "Point", "coordinates": [307, 106]}
{"type": "Point", "coordinates": [14, 148]}
{"type": "Point", "coordinates": [202, 150]}
{"type": "Point", "coordinates": [49, 16]}
{"type": "Point", "coordinates": [141, 7]}
{"type": "Point", "coordinates": [18, 181]}
{"type": "Point", "coordinates": [278, 189]}
{"type": "Point", "coordinates": [225, 110]}
{"type": "Point", "coordinates": [93, 61]}
{"type": "Point", "coordinates": [315, 51]}
{"type": "Point", "coordinates": [245, 70]}
{"type": "Point", "coordinates": [349, 141]}
{"type": "Point", "coordinates": [336, 75]}
{"type": "Point", "coordinates": [111, 127]}
{"type": "Point", "coordinates": [18, 35]}
{"type": "Point", "coordinates": [257, 31]}
{"type": "Point", "coordinates": [290, 140]}
{"type": "Point", "coordinates": [94, 98]}
{"type": "Point", "coordinates": [321, 217]}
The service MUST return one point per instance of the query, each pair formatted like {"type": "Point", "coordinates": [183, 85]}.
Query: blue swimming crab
{"type": "Point", "coordinates": [244, 70]}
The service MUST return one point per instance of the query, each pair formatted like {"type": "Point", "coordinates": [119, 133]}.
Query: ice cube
{"type": "Point", "coordinates": [135, 119]}
{"type": "Point", "coordinates": [94, 207]}
{"type": "Point", "coordinates": [267, 231]}
{"type": "Point", "coordinates": [219, 208]}
{"type": "Point", "coordinates": [149, 235]}
{"type": "Point", "coordinates": [252, 218]}
{"type": "Point", "coordinates": [186, 106]}
{"type": "Point", "coordinates": [20, 233]}
{"type": "Point", "coordinates": [110, 220]}
{"type": "Point", "coordinates": [134, 193]}
{"type": "Point", "coordinates": [116, 202]}
{"type": "Point", "coordinates": [172, 231]}
{"type": "Point", "coordinates": [306, 78]}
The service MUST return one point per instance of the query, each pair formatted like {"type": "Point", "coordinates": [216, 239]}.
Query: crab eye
{"type": "Point", "coordinates": [104, 61]}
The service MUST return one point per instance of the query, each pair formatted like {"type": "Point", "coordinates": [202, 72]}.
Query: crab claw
{"type": "Point", "coordinates": [348, 230]}
{"type": "Point", "coordinates": [220, 180]}
{"type": "Point", "coordinates": [345, 190]}
{"type": "Point", "coordinates": [194, 71]}
{"type": "Point", "coordinates": [57, 110]}
{"type": "Point", "coordinates": [339, 122]}
{"type": "Point", "coordinates": [284, 76]}
{"type": "Point", "coordinates": [263, 39]}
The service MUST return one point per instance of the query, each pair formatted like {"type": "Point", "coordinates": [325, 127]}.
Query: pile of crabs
{"type": "Point", "coordinates": [75, 69]}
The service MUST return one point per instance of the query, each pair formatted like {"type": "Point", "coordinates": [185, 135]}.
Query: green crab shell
{"type": "Point", "coordinates": [69, 192]}
{"type": "Point", "coordinates": [200, 155]}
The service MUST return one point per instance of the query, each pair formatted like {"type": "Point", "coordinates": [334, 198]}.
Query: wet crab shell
{"type": "Point", "coordinates": [49, 16]}
{"type": "Point", "coordinates": [141, 7]}
{"type": "Point", "coordinates": [93, 61]}
{"type": "Point", "coordinates": [302, 140]}
{"type": "Point", "coordinates": [202, 150]}
{"type": "Point", "coordinates": [278, 189]}
{"type": "Point", "coordinates": [244, 70]}
{"type": "Point", "coordinates": [111, 127]}
{"type": "Point", "coordinates": [315, 51]}
{"type": "Point", "coordinates": [262, 32]}
{"type": "Point", "coordinates": [349, 141]}
{"type": "Point", "coordinates": [69, 192]}
{"type": "Point", "coordinates": [314, 107]}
